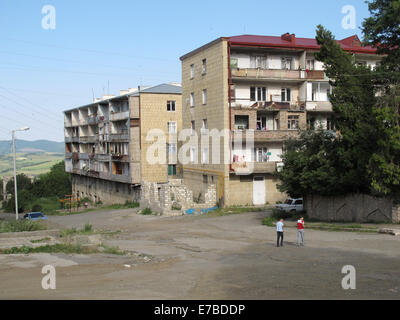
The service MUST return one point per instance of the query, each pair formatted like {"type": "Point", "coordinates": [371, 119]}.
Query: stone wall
{"type": "Point", "coordinates": [349, 208]}
{"type": "Point", "coordinates": [396, 214]}
{"type": "Point", "coordinates": [173, 198]}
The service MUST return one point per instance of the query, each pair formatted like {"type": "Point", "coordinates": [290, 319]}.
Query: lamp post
{"type": "Point", "coordinates": [15, 170]}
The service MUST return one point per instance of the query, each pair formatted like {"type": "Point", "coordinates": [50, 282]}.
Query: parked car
{"type": "Point", "coordinates": [34, 216]}
{"type": "Point", "coordinates": [291, 205]}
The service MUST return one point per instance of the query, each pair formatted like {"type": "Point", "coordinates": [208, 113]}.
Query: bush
{"type": "Point", "coordinates": [37, 208]}
{"type": "Point", "coordinates": [280, 214]}
{"type": "Point", "coordinates": [146, 211]}
{"type": "Point", "coordinates": [20, 226]}
{"type": "Point", "coordinates": [269, 221]}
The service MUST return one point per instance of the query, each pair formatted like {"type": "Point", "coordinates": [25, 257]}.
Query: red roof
{"type": "Point", "coordinates": [290, 41]}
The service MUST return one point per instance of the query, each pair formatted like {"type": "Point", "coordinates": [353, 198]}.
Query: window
{"type": "Point", "coordinates": [261, 155]}
{"type": "Point", "coordinates": [286, 95]}
{"type": "Point", "coordinates": [329, 125]}
{"type": "Point", "coordinates": [258, 93]}
{"type": "Point", "coordinates": [361, 63]}
{"type": "Point", "coordinates": [241, 122]}
{"type": "Point", "coordinates": [204, 156]}
{"type": "Point", "coordinates": [310, 64]}
{"type": "Point", "coordinates": [192, 155]}
{"type": "Point", "coordinates": [172, 127]}
{"type": "Point", "coordinates": [191, 71]}
{"type": "Point", "coordinates": [204, 67]}
{"type": "Point", "coordinates": [172, 169]}
{"type": "Point", "coordinates": [204, 126]}
{"type": "Point", "coordinates": [293, 122]}
{"type": "Point", "coordinates": [258, 62]}
{"type": "Point", "coordinates": [286, 63]}
{"type": "Point", "coordinates": [171, 147]}
{"type": "Point", "coordinates": [204, 95]}
{"type": "Point", "coordinates": [193, 127]}
{"type": "Point", "coordinates": [170, 105]}
{"type": "Point", "coordinates": [192, 99]}
{"type": "Point", "coordinates": [234, 63]}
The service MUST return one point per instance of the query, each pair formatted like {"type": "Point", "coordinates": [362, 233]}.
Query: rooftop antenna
{"type": "Point", "coordinates": [93, 94]}
{"type": "Point", "coordinates": [108, 87]}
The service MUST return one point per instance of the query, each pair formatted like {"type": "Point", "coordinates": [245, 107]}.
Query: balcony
{"type": "Point", "coordinates": [93, 120]}
{"type": "Point", "coordinates": [71, 139]}
{"type": "Point", "coordinates": [318, 106]}
{"type": "Point", "coordinates": [83, 156]}
{"type": "Point", "coordinates": [117, 137]}
{"type": "Point", "coordinates": [266, 135]}
{"type": "Point", "coordinates": [102, 157]}
{"type": "Point", "coordinates": [120, 157]}
{"type": "Point", "coordinates": [316, 75]}
{"type": "Point", "coordinates": [68, 155]}
{"type": "Point", "coordinates": [246, 168]}
{"type": "Point", "coordinates": [118, 116]}
{"type": "Point", "coordinates": [115, 177]}
{"type": "Point", "coordinates": [269, 74]}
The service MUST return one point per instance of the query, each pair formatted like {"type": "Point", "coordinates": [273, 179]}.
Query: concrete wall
{"type": "Point", "coordinates": [108, 192]}
{"type": "Point", "coordinates": [154, 115]}
{"type": "Point", "coordinates": [350, 208]}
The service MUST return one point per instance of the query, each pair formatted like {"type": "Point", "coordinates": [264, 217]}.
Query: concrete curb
{"type": "Point", "coordinates": [394, 232]}
{"type": "Point", "coordinates": [24, 234]}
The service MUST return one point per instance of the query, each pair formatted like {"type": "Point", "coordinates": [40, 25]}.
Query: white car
{"type": "Point", "coordinates": [291, 205]}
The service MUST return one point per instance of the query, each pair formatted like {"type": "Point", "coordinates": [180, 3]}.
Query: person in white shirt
{"type": "Point", "coordinates": [279, 232]}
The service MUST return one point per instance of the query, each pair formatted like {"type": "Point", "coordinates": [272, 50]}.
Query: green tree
{"type": "Point", "coordinates": [382, 30]}
{"type": "Point", "coordinates": [23, 183]}
{"type": "Point", "coordinates": [56, 182]}
{"type": "Point", "coordinates": [365, 154]}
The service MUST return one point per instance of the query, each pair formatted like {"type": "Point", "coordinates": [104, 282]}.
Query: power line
{"type": "Point", "coordinates": [40, 69]}
{"type": "Point", "coordinates": [89, 50]}
{"type": "Point", "coordinates": [83, 62]}
{"type": "Point", "coordinates": [44, 109]}
{"type": "Point", "coordinates": [29, 108]}
{"type": "Point", "coordinates": [24, 115]}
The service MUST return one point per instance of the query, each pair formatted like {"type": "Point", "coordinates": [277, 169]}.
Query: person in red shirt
{"type": "Point", "coordinates": [300, 232]}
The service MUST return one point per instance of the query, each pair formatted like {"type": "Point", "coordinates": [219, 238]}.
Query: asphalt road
{"type": "Point", "coordinates": [200, 257]}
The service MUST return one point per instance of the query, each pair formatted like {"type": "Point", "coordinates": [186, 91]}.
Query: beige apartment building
{"type": "Point", "coordinates": [259, 88]}
{"type": "Point", "coordinates": [106, 142]}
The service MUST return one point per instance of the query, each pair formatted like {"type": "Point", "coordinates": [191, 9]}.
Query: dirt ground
{"type": "Point", "coordinates": [200, 257]}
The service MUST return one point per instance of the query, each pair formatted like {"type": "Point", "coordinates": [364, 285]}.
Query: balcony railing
{"type": "Point", "coordinates": [117, 137]}
{"type": "Point", "coordinates": [319, 106]}
{"type": "Point", "coordinates": [115, 177]}
{"type": "Point", "coordinates": [246, 168]}
{"type": "Point", "coordinates": [71, 139]}
{"type": "Point", "coordinates": [119, 116]}
{"type": "Point", "coordinates": [265, 135]}
{"type": "Point", "coordinates": [316, 75]}
{"type": "Point", "coordinates": [272, 74]}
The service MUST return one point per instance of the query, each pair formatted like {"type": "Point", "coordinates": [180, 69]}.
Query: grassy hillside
{"type": "Point", "coordinates": [29, 163]}
{"type": "Point", "coordinates": [31, 146]}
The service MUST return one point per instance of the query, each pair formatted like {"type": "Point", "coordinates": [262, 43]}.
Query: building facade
{"type": "Point", "coordinates": [253, 88]}
{"type": "Point", "coordinates": [107, 142]}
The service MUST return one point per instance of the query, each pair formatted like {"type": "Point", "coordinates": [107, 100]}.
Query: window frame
{"type": "Point", "coordinates": [171, 104]}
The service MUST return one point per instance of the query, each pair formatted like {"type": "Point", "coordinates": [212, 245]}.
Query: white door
{"type": "Point", "coordinates": [258, 190]}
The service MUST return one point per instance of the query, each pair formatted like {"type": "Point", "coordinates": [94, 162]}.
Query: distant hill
{"type": "Point", "coordinates": [32, 146]}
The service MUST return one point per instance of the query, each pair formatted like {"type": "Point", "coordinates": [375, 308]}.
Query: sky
{"type": "Point", "coordinates": [98, 47]}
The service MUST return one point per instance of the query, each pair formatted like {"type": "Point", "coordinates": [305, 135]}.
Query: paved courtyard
{"type": "Point", "coordinates": [200, 257]}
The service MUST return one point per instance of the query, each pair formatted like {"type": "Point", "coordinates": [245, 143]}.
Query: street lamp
{"type": "Point", "coordinates": [15, 170]}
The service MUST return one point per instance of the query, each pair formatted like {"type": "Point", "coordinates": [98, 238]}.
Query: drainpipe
{"type": "Point", "coordinates": [230, 106]}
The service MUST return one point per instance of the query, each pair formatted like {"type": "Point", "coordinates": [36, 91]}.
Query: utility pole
{"type": "Point", "coordinates": [15, 170]}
